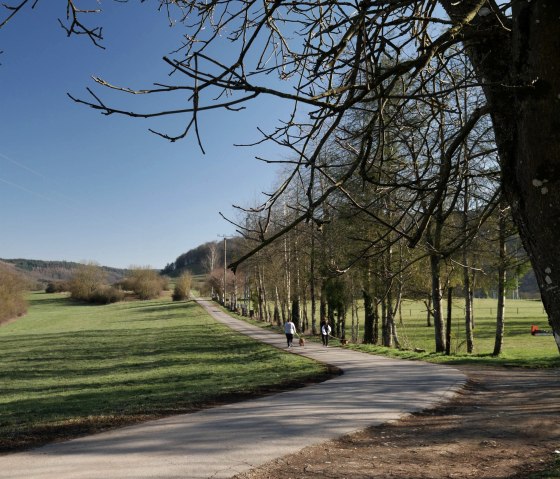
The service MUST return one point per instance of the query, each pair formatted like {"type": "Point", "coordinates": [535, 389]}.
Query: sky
{"type": "Point", "coordinates": [76, 185]}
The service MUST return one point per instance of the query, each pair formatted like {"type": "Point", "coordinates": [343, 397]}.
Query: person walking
{"type": "Point", "coordinates": [290, 330]}
{"type": "Point", "coordinates": [325, 331]}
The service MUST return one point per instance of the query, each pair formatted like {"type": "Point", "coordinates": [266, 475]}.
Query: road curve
{"type": "Point", "coordinates": [224, 441]}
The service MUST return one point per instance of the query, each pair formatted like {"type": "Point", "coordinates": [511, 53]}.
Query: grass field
{"type": "Point", "coordinates": [519, 346]}
{"type": "Point", "coordinates": [68, 369]}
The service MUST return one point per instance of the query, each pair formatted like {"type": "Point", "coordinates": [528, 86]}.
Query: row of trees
{"type": "Point", "coordinates": [350, 263]}
{"type": "Point", "coordinates": [389, 210]}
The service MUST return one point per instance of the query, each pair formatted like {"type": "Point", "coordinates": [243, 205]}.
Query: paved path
{"type": "Point", "coordinates": [226, 440]}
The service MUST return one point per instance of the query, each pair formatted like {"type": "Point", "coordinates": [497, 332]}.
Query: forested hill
{"type": "Point", "coordinates": [46, 271]}
{"type": "Point", "coordinates": [199, 260]}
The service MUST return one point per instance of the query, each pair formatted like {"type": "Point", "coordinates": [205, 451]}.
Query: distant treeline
{"type": "Point", "coordinates": [43, 272]}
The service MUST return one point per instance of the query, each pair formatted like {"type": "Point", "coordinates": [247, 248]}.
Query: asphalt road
{"type": "Point", "coordinates": [224, 441]}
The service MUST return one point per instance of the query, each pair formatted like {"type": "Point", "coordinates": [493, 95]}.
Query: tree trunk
{"type": "Point", "coordinates": [386, 324]}
{"type": "Point", "coordinates": [312, 286]}
{"type": "Point", "coordinates": [266, 306]}
{"type": "Point", "coordinates": [501, 282]}
{"type": "Point", "coordinates": [330, 318]}
{"type": "Point", "coordinates": [448, 328]}
{"type": "Point", "coordinates": [368, 318]}
{"type": "Point", "coordinates": [473, 287]}
{"type": "Point", "coordinates": [393, 311]}
{"type": "Point", "coordinates": [260, 294]}
{"type": "Point", "coordinates": [287, 277]}
{"type": "Point", "coordinates": [355, 321]}
{"type": "Point", "coordinates": [303, 310]}
{"type": "Point", "coordinates": [295, 314]}
{"type": "Point", "coordinates": [428, 305]}
{"type": "Point", "coordinates": [298, 323]}
{"type": "Point", "coordinates": [277, 318]}
{"type": "Point", "coordinates": [342, 321]}
{"type": "Point", "coordinates": [468, 311]}
{"type": "Point", "coordinates": [439, 327]}
{"type": "Point", "coordinates": [323, 305]}
{"type": "Point", "coordinates": [393, 331]}
{"type": "Point", "coordinates": [375, 320]}
{"type": "Point", "coordinates": [520, 71]}
{"type": "Point", "coordinates": [532, 179]}
{"type": "Point", "coordinates": [467, 289]}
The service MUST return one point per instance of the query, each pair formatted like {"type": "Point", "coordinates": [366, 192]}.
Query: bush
{"type": "Point", "coordinates": [126, 284]}
{"type": "Point", "coordinates": [57, 287]}
{"type": "Point", "coordinates": [12, 293]}
{"type": "Point", "coordinates": [182, 288]}
{"type": "Point", "coordinates": [87, 279]}
{"type": "Point", "coordinates": [106, 295]}
{"type": "Point", "coordinates": [145, 282]}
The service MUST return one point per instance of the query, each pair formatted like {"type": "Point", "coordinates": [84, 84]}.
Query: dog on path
{"type": "Point", "coordinates": [302, 341]}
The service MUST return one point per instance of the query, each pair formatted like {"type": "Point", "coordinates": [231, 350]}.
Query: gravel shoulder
{"type": "Point", "coordinates": [504, 423]}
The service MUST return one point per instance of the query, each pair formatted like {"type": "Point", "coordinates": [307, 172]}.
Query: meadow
{"type": "Point", "coordinates": [68, 369]}
{"type": "Point", "coordinates": [520, 348]}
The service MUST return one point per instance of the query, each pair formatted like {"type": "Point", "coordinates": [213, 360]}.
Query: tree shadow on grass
{"type": "Point", "coordinates": [91, 410]}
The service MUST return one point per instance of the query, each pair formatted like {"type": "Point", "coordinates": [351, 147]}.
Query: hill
{"type": "Point", "coordinates": [43, 272]}
{"type": "Point", "coordinates": [198, 260]}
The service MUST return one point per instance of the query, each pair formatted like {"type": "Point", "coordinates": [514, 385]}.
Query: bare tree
{"type": "Point", "coordinates": [209, 262]}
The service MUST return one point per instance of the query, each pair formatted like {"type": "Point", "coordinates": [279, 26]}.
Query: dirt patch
{"type": "Point", "coordinates": [504, 424]}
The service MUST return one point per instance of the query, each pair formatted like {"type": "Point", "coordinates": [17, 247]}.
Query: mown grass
{"type": "Point", "coordinates": [519, 348]}
{"type": "Point", "coordinates": [68, 369]}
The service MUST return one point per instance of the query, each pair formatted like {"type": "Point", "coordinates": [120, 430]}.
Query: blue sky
{"type": "Point", "coordinates": [78, 186]}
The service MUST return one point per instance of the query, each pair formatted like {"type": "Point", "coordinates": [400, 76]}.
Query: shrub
{"type": "Point", "coordinates": [107, 294]}
{"type": "Point", "coordinates": [182, 288]}
{"type": "Point", "coordinates": [145, 282]}
{"type": "Point", "coordinates": [12, 291]}
{"type": "Point", "coordinates": [87, 279]}
{"type": "Point", "coordinates": [127, 284]}
{"type": "Point", "coordinates": [57, 287]}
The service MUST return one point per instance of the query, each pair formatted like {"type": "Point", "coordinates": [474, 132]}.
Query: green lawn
{"type": "Point", "coordinates": [68, 369]}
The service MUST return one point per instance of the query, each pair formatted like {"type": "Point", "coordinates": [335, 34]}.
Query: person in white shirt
{"type": "Point", "coordinates": [325, 331]}
{"type": "Point", "coordinates": [290, 330]}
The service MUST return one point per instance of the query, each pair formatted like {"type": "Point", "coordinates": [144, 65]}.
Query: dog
{"type": "Point", "coordinates": [302, 342]}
